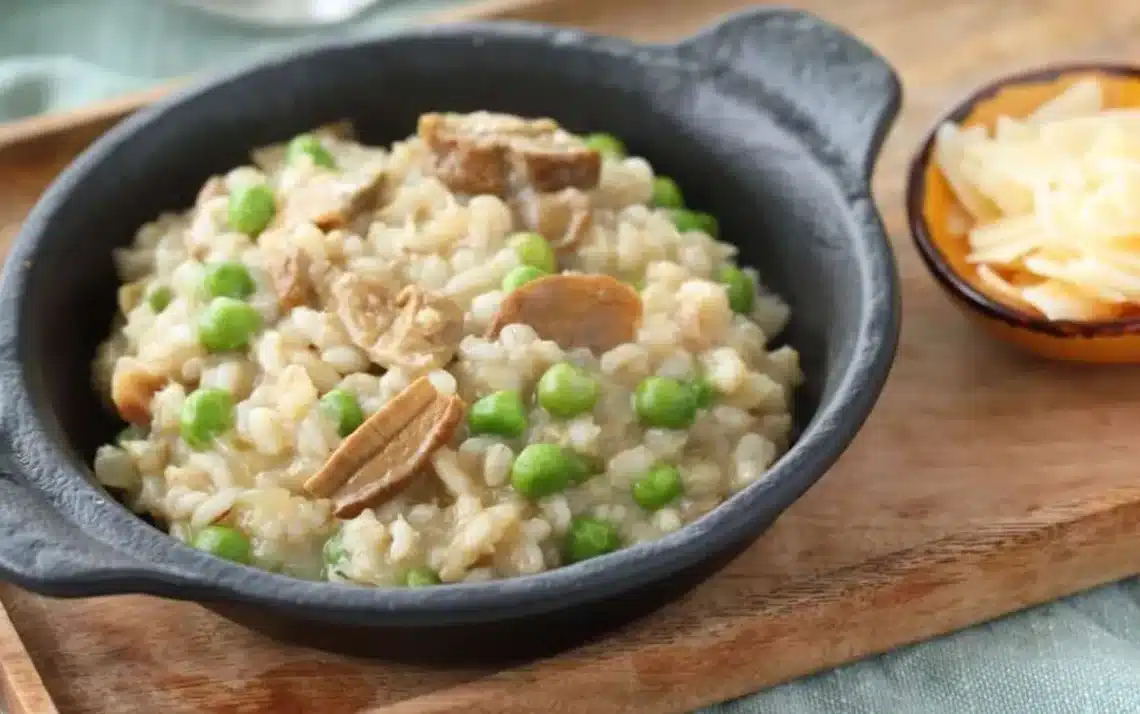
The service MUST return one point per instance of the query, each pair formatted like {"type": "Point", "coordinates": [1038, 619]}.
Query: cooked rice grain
{"type": "Point", "coordinates": [461, 517]}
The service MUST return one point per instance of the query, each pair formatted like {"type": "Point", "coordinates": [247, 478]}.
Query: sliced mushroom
{"type": "Point", "coordinates": [563, 218]}
{"type": "Point", "coordinates": [133, 386]}
{"type": "Point", "coordinates": [412, 329]}
{"type": "Point", "coordinates": [403, 457]}
{"type": "Point", "coordinates": [464, 164]}
{"type": "Point", "coordinates": [549, 168]}
{"type": "Point", "coordinates": [289, 270]}
{"type": "Point", "coordinates": [331, 200]}
{"type": "Point", "coordinates": [426, 333]}
{"type": "Point", "coordinates": [597, 312]}
{"type": "Point", "coordinates": [485, 152]}
{"type": "Point", "coordinates": [394, 444]}
{"type": "Point", "coordinates": [370, 437]}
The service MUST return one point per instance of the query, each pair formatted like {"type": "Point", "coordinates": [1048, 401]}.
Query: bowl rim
{"type": "Point", "coordinates": [170, 568]}
{"type": "Point", "coordinates": [951, 280]}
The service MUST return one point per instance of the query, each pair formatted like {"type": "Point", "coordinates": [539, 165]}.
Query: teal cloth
{"type": "Point", "coordinates": [1076, 656]}
{"type": "Point", "coordinates": [59, 54]}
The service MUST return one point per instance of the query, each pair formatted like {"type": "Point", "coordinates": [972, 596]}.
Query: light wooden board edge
{"type": "Point", "coordinates": [935, 584]}
{"type": "Point", "coordinates": [118, 107]}
{"type": "Point", "coordinates": [23, 690]}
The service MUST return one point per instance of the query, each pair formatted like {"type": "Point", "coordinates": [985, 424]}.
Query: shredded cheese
{"type": "Point", "coordinates": [1052, 204]}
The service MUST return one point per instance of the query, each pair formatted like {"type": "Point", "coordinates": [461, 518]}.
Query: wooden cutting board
{"type": "Point", "coordinates": [984, 482]}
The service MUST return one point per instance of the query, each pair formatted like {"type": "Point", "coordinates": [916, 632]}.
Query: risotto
{"type": "Point", "coordinates": [486, 351]}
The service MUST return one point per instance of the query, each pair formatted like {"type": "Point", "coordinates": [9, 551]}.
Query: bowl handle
{"type": "Point", "coordinates": [45, 552]}
{"type": "Point", "coordinates": [832, 88]}
{"type": "Point", "coordinates": [42, 551]}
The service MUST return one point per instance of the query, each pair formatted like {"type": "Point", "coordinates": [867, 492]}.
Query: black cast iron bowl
{"type": "Point", "coordinates": [770, 119]}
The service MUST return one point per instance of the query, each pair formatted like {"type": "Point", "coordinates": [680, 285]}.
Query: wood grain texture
{"type": "Point", "coordinates": [984, 482]}
{"type": "Point", "coordinates": [22, 690]}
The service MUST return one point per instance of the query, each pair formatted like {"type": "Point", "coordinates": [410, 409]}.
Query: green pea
{"type": "Point", "coordinates": [740, 287]}
{"type": "Point", "coordinates": [159, 298]}
{"type": "Point", "coordinates": [588, 538]}
{"type": "Point", "coordinates": [344, 410]}
{"type": "Point", "coordinates": [421, 578]}
{"type": "Point", "coordinates": [686, 220]}
{"type": "Point", "coordinates": [251, 208]}
{"type": "Point", "coordinates": [533, 250]}
{"type": "Point", "coordinates": [666, 193]}
{"type": "Point", "coordinates": [658, 488]}
{"type": "Point", "coordinates": [567, 391]}
{"type": "Point", "coordinates": [704, 391]}
{"type": "Point", "coordinates": [520, 275]}
{"type": "Point", "coordinates": [584, 467]}
{"type": "Point", "coordinates": [541, 470]}
{"type": "Point", "coordinates": [311, 146]}
{"type": "Point", "coordinates": [333, 550]}
{"type": "Point", "coordinates": [206, 414]}
{"type": "Point", "coordinates": [709, 224]}
{"type": "Point", "coordinates": [227, 324]}
{"type": "Point", "coordinates": [228, 279]}
{"type": "Point", "coordinates": [501, 413]}
{"type": "Point", "coordinates": [224, 542]}
{"type": "Point", "coordinates": [665, 403]}
{"type": "Point", "coordinates": [607, 145]}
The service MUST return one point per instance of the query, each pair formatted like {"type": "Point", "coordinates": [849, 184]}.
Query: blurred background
{"type": "Point", "coordinates": [285, 12]}
{"type": "Point", "coordinates": [59, 54]}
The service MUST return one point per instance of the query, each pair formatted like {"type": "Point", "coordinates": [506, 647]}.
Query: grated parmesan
{"type": "Point", "coordinates": [1052, 204]}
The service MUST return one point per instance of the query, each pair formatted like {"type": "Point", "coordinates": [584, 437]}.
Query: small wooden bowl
{"type": "Point", "coordinates": [929, 201]}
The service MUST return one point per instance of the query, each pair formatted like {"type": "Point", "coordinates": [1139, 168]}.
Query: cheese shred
{"type": "Point", "coordinates": [1052, 203]}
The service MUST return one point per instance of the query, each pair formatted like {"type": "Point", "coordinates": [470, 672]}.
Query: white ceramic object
{"type": "Point", "coordinates": [285, 12]}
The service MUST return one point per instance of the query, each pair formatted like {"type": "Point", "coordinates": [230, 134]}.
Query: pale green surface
{"type": "Point", "coordinates": [62, 53]}
{"type": "Point", "coordinates": [1079, 656]}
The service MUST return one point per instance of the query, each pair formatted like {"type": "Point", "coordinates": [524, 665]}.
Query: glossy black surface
{"type": "Point", "coordinates": [771, 120]}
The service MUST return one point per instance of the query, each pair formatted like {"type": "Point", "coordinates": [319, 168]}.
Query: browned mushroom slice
{"type": "Point", "coordinates": [404, 456]}
{"type": "Point", "coordinates": [411, 329]}
{"type": "Point", "coordinates": [549, 169]}
{"type": "Point", "coordinates": [563, 218]}
{"type": "Point", "coordinates": [370, 437]}
{"type": "Point", "coordinates": [331, 200]}
{"type": "Point", "coordinates": [463, 163]}
{"type": "Point", "coordinates": [592, 311]}
{"type": "Point", "coordinates": [133, 386]}
{"type": "Point", "coordinates": [426, 333]}
{"type": "Point", "coordinates": [485, 152]}
{"type": "Point", "coordinates": [289, 270]}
